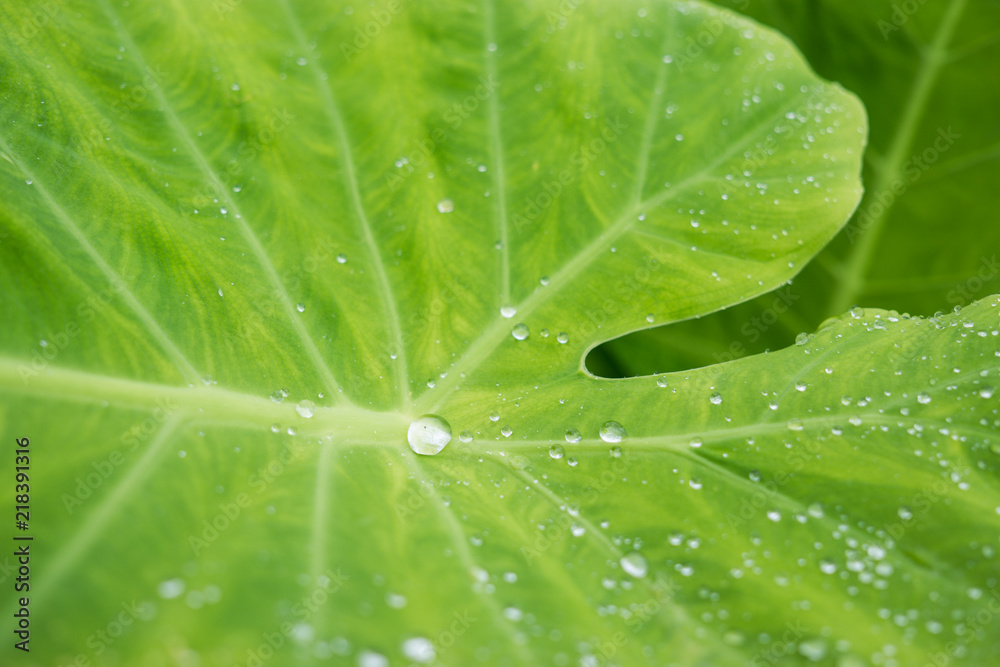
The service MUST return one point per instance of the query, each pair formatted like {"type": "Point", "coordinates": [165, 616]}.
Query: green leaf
{"type": "Point", "coordinates": [247, 247]}
{"type": "Point", "coordinates": [923, 239]}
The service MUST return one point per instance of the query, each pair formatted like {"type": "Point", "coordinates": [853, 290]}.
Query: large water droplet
{"type": "Point", "coordinates": [612, 432]}
{"type": "Point", "coordinates": [634, 564]}
{"type": "Point", "coordinates": [428, 435]}
{"type": "Point", "coordinates": [419, 649]}
{"type": "Point", "coordinates": [520, 331]}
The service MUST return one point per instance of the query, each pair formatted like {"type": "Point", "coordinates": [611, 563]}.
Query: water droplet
{"type": "Point", "coordinates": [506, 431]}
{"type": "Point", "coordinates": [341, 258]}
{"type": "Point", "coordinates": [696, 442]}
{"type": "Point", "coordinates": [372, 659]}
{"type": "Point", "coordinates": [661, 382]}
{"type": "Point", "coordinates": [520, 331]}
{"type": "Point", "coordinates": [301, 307]}
{"type": "Point", "coordinates": [802, 339]}
{"type": "Point", "coordinates": [814, 649]}
{"type": "Point", "coordinates": [465, 436]}
{"type": "Point", "coordinates": [904, 513]}
{"type": "Point", "coordinates": [170, 589]}
{"type": "Point", "coordinates": [616, 452]}
{"type": "Point", "coordinates": [774, 515]}
{"type": "Point", "coordinates": [306, 409]}
{"type": "Point", "coordinates": [715, 398]}
{"type": "Point", "coordinates": [986, 392]}
{"type": "Point", "coordinates": [827, 566]}
{"type": "Point", "coordinates": [445, 206]}
{"type": "Point", "coordinates": [612, 432]}
{"type": "Point", "coordinates": [563, 337]}
{"type": "Point", "coordinates": [428, 435]}
{"type": "Point", "coordinates": [494, 416]}
{"type": "Point", "coordinates": [650, 318]}
{"type": "Point", "coordinates": [634, 564]}
{"type": "Point", "coordinates": [572, 435]}
{"type": "Point", "coordinates": [508, 311]}
{"type": "Point", "coordinates": [857, 312]}
{"type": "Point", "coordinates": [556, 451]}
{"type": "Point", "coordinates": [923, 398]}
{"type": "Point", "coordinates": [419, 649]}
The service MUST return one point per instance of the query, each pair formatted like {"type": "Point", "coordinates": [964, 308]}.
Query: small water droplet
{"type": "Point", "coordinates": [923, 398]}
{"type": "Point", "coordinates": [661, 382]}
{"type": "Point", "coordinates": [508, 311]}
{"type": "Point", "coordinates": [494, 416]}
{"type": "Point", "coordinates": [419, 649]}
{"type": "Point", "coordinates": [857, 312]}
{"type": "Point", "coordinates": [506, 431]}
{"type": "Point", "coordinates": [802, 339]}
{"type": "Point", "coordinates": [556, 451]}
{"type": "Point", "coordinates": [986, 392]}
{"type": "Point", "coordinates": [428, 435]}
{"type": "Point", "coordinates": [341, 258]}
{"type": "Point", "coordinates": [612, 432]}
{"type": "Point", "coordinates": [465, 436]}
{"type": "Point", "coordinates": [634, 564]}
{"type": "Point", "coordinates": [306, 409]}
{"type": "Point", "coordinates": [715, 398]}
{"type": "Point", "coordinates": [696, 442]}
{"type": "Point", "coordinates": [572, 435]}
{"type": "Point", "coordinates": [563, 337]}
{"type": "Point", "coordinates": [520, 331]}
{"type": "Point", "coordinates": [301, 307]}
{"type": "Point", "coordinates": [445, 206]}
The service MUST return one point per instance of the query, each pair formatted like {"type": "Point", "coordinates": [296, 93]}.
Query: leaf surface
{"type": "Point", "coordinates": [245, 248]}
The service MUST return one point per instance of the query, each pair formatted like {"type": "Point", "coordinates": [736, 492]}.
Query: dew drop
{"type": "Point", "coordinates": [465, 436]}
{"type": "Point", "coordinates": [556, 451]}
{"type": "Point", "coordinates": [445, 206]}
{"type": "Point", "coordinates": [634, 564]}
{"type": "Point", "coordinates": [520, 331]}
{"type": "Point", "coordinates": [612, 432]}
{"type": "Point", "coordinates": [923, 398]}
{"type": "Point", "coordinates": [419, 649]}
{"type": "Point", "coordinates": [715, 398]}
{"type": "Point", "coordinates": [508, 311]}
{"type": "Point", "coordinates": [306, 409]}
{"type": "Point", "coordinates": [301, 307]}
{"type": "Point", "coordinates": [428, 435]}
{"type": "Point", "coordinates": [341, 258]}
{"type": "Point", "coordinates": [986, 392]}
{"type": "Point", "coordinates": [506, 431]}
{"type": "Point", "coordinates": [573, 436]}
{"type": "Point", "coordinates": [563, 337]}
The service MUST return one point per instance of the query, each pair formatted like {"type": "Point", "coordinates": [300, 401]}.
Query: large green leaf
{"type": "Point", "coordinates": [247, 247]}
{"type": "Point", "coordinates": [925, 238]}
